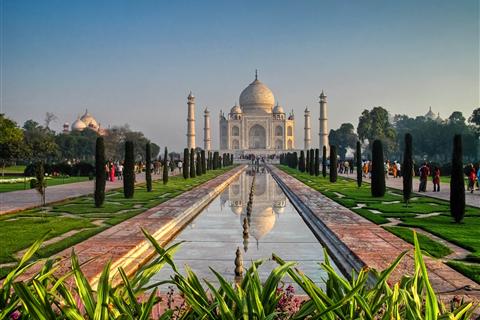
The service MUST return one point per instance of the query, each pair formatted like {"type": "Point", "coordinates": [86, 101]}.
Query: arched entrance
{"type": "Point", "coordinates": [257, 137]}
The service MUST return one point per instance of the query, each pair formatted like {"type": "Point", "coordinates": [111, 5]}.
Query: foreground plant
{"type": "Point", "coordinates": [46, 296]}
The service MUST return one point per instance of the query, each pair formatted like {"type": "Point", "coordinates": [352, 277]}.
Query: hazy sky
{"type": "Point", "coordinates": [135, 61]}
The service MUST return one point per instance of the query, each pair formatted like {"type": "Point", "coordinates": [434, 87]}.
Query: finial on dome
{"type": "Point", "coordinates": [256, 74]}
{"type": "Point", "coordinates": [430, 109]}
{"type": "Point", "coordinates": [306, 109]}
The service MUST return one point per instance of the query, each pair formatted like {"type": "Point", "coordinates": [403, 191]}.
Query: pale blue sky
{"type": "Point", "coordinates": [135, 61]}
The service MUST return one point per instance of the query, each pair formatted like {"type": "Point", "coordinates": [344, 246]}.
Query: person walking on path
{"type": "Point", "coordinates": [346, 166]}
{"type": "Point", "coordinates": [424, 173]}
{"type": "Point", "coordinates": [120, 171]}
{"type": "Point", "coordinates": [180, 166]}
{"type": "Point", "coordinates": [478, 177]}
{"type": "Point", "coordinates": [436, 179]}
{"type": "Point", "coordinates": [112, 171]}
{"type": "Point", "coordinates": [472, 178]}
{"type": "Point", "coordinates": [394, 169]}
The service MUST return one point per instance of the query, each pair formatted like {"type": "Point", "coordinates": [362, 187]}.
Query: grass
{"type": "Point", "coordinates": [471, 271]}
{"type": "Point", "coordinates": [21, 229]}
{"type": "Point", "coordinates": [13, 169]}
{"type": "Point", "coordinates": [434, 248]}
{"type": "Point", "coordinates": [346, 193]}
{"type": "Point", "coordinates": [7, 187]}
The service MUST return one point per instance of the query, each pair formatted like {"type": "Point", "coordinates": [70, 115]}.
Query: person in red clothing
{"type": "Point", "coordinates": [472, 177]}
{"type": "Point", "coordinates": [436, 179]}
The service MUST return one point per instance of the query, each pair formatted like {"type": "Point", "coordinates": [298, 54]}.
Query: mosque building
{"type": "Point", "coordinates": [87, 121]}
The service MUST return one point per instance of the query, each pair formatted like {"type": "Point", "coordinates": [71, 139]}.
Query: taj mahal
{"type": "Point", "coordinates": [257, 124]}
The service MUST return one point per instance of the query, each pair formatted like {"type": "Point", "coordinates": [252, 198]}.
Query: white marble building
{"type": "Point", "coordinates": [257, 125]}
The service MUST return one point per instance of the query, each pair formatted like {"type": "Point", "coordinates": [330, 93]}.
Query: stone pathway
{"type": "Point", "coordinates": [14, 201]}
{"type": "Point", "coordinates": [369, 243]}
{"type": "Point", "coordinates": [471, 199]}
{"type": "Point", "coordinates": [125, 245]}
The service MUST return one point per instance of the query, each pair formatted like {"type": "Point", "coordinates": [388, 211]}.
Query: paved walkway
{"type": "Point", "coordinates": [14, 201]}
{"type": "Point", "coordinates": [471, 199]}
{"type": "Point", "coordinates": [125, 245]}
{"type": "Point", "coordinates": [369, 243]}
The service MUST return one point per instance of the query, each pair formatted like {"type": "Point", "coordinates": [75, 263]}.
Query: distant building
{"type": "Point", "coordinates": [430, 115]}
{"type": "Point", "coordinates": [87, 121]}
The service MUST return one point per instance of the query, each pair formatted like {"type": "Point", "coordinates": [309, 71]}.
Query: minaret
{"type": "Point", "coordinates": [191, 122]}
{"type": "Point", "coordinates": [308, 136]}
{"type": "Point", "coordinates": [206, 131]}
{"type": "Point", "coordinates": [323, 122]}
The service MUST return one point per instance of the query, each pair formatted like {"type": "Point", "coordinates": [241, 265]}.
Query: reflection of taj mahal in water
{"type": "Point", "coordinates": [269, 201]}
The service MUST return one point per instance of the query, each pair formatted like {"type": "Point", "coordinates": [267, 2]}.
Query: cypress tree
{"type": "Point", "coordinates": [215, 160]}
{"type": "Point", "coordinates": [358, 154]}
{"type": "Point", "coordinates": [220, 159]}
{"type": "Point", "coordinates": [204, 164]}
{"type": "Point", "coordinates": [324, 161]}
{"type": "Point", "coordinates": [129, 171]}
{"type": "Point", "coordinates": [198, 164]}
{"type": "Point", "coordinates": [165, 167]}
{"type": "Point", "coordinates": [457, 184]}
{"type": "Point", "coordinates": [186, 163]}
{"type": "Point", "coordinates": [307, 161]}
{"type": "Point", "coordinates": [333, 164]}
{"type": "Point", "coordinates": [317, 162]}
{"type": "Point", "coordinates": [301, 164]}
{"type": "Point", "coordinates": [148, 167]}
{"type": "Point", "coordinates": [407, 168]}
{"type": "Point", "coordinates": [295, 160]}
{"type": "Point", "coordinates": [100, 175]}
{"type": "Point", "coordinates": [231, 159]}
{"type": "Point", "coordinates": [378, 170]}
{"type": "Point", "coordinates": [193, 172]}
{"type": "Point", "coordinates": [209, 161]}
{"type": "Point", "coordinates": [312, 162]}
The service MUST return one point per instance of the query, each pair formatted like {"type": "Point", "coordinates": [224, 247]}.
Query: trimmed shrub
{"type": "Point", "coordinates": [129, 171]}
{"type": "Point", "coordinates": [204, 164]}
{"type": "Point", "coordinates": [378, 170]}
{"type": "Point", "coordinates": [193, 172]}
{"type": "Point", "coordinates": [358, 156]}
{"type": "Point", "coordinates": [317, 162]}
{"type": "Point", "coordinates": [186, 163]}
{"type": "Point", "coordinates": [198, 164]}
{"type": "Point", "coordinates": [41, 183]}
{"type": "Point", "coordinates": [407, 168]}
{"type": "Point", "coordinates": [307, 161]}
{"type": "Point", "coordinates": [312, 162]}
{"type": "Point", "coordinates": [165, 167]}
{"type": "Point", "coordinates": [148, 167]}
{"type": "Point", "coordinates": [301, 164]}
{"type": "Point", "coordinates": [324, 161]}
{"type": "Point", "coordinates": [333, 164]}
{"type": "Point", "coordinates": [457, 184]}
{"type": "Point", "coordinates": [100, 174]}
{"type": "Point", "coordinates": [295, 160]}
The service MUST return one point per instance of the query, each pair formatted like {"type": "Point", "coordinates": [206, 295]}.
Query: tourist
{"type": "Point", "coordinates": [424, 172]}
{"type": "Point", "coordinates": [436, 179]}
{"type": "Point", "coordinates": [387, 168]}
{"type": "Point", "coordinates": [472, 178]}
{"type": "Point", "coordinates": [180, 165]}
{"type": "Point", "coordinates": [478, 176]}
{"type": "Point", "coordinates": [120, 171]}
{"type": "Point", "coordinates": [112, 172]}
{"type": "Point", "coordinates": [107, 171]}
{"type": "Point", "coordinates": [346, 166]}
{"type": "Point", "coordinates": [399, 169]}
{"type": "Point", "coordinates": [394, 169]}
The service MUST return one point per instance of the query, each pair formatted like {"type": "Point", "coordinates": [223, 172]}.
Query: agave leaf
{"type": "Point", "coordinates": [160, 250]}
{"type": "Point", "coordinates": [227, 288]}
{"type": "Point", "coordinates": [4, 314]}
{"type": "Point", "coordinates": [147, 308]}
{"type": "Point", "coordinates": [35, 307]}
{"type": "Point", "coordinates": [128, 288]}
{"type": "Point", "coordinates": [103, 298]}
{"type": "Point", "coordinates": [83, 287]}
{"type": "Point", "coordinates": [271, 284]}
{"type": "Point", "coordinates": [225, 311]}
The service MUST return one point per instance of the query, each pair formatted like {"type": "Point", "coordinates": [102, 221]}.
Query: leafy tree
{"type": "Point", "coordinates": [49, 118]}
{"type": "Point", "coordinates": [148, 167]}
{"type": "Point", "coordinates": [165, 167]}
{"type": "Point", "coordinates": [317, 162]}
{"type": "Point", "coordinates": [457, 117]}
{"type": "Point", "coordinates": [11, 141]}
{"type": "Point", "coordinates": [301, 163]}
{"type": "Point", "coordinates": [116, 137]}
{"type": "Point", "coordinates": [333, 163]}
{"type": "Point", "coordinates": [324, 161]}
{"type": "Point", "coordinates": [378, 170]}
{"type": "Point", "coordinates": [186, 163]}
{"type": "Point", "coordinates": [100, 174]}
{"type": "Point", "coordinates": [129, 171]}
{"type": "Point", "coordinates": [358, 157]}
{"type": "Point", "coordinates": [475, 117]}
{"type": "Point", "coordinates": [407, 168]}
{"type": "Point", "coordinates": [457, 184]}
{"type": "Point", "coordinates": [40, 182]}
{"type": "Point", "coordinates": [344, 138]}
{"type": "Point", "coordinates": [192, 163]}
{"type": "Point", "coordinates": [375, 124]}
{"type": "Point", "coordinates": [39, 141]}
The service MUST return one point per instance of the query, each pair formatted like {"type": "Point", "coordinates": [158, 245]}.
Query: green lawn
{"type": "Point", "coordinates": [13, 169]}
{"type": "Point", "coordinates": [346, 192]}
{"type": "Point", "coordinates": [21, 229]}
{"type": "Point", "coordinates": [7, 187]}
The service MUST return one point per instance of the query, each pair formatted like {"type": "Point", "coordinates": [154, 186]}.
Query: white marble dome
{"type": "Point", "coordinates": [89, 120]}
{"type": "Point", "coordinates": [236, 109]}
{"type": "Point", "coordinates": [257, 97]}
{"type": "Point", "coordinates": [78, 125]}
{"type": "Point", "coordinates": [278, 109]}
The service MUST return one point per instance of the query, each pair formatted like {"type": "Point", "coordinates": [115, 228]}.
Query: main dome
{"type": "Point", "coordinates": [257, 97]}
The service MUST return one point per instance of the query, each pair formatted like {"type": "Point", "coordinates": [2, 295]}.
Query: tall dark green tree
{"type": "Point", "coordinates": [199, 164]}
{"type": "Point", "coordinates": [129, 171]}
{"type": "Point", "coordinates": [215, 160]}
{"type": "Point", "coordinates": [165, 167]}
{"type": "Point", "coordinates": [148, 166]}
{"type": "Point", "coordinates": [40, 182]}
{"type": "Point", "coordinates": [204, 164]}
{"type": "Point", "coordinates": [307, 161]}
{"type": "Point", "coordinates": [312, 162]}
{"type": "Point", "coordinates": [333, 164]}
{"type": "Point", "coordinates": [301, 163]}
{"type": "Point", "coordinates": [317, 162]}
{"type": "Point", "coordinates": [209, 161]}
{"type": "Point", "coordinates": [358, 158]}
{"type": "Point", "coordinates": [193, 169]}
{"type": "Point", "coordinates": [324, 161]}
{"type": "Point", "coordinates": [457, 184]}
{"type": "Point", "coordinates": [378, 170]}
{"type": "Point", "coordinates": [295, 160]}
{"type": "Point", "coordinates": [186, 163]}
{"type": "Point", "coordinates": [407, 169]}
{"type": "Point", "coordinates": [100, 174]}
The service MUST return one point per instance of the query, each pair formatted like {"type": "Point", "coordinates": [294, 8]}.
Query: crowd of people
{"type": "Point", "coordinates": [114, 169]}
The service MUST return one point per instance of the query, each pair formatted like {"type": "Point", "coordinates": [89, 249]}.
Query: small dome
{"type": "Point", "coordinates": [237, 209]}
{"type": "Point", "coordinates": [257, 97]}
{"type": "Point", "coordinates": [430, 115]}
{"type": "Point", "coordinates": [78, 125]}
{"type": "Point", "coordinates": [278, 109]}
{"type": "Point", "coordinates": [89, 120]}
{"type": "Point", "coordinates": [236, 109]}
